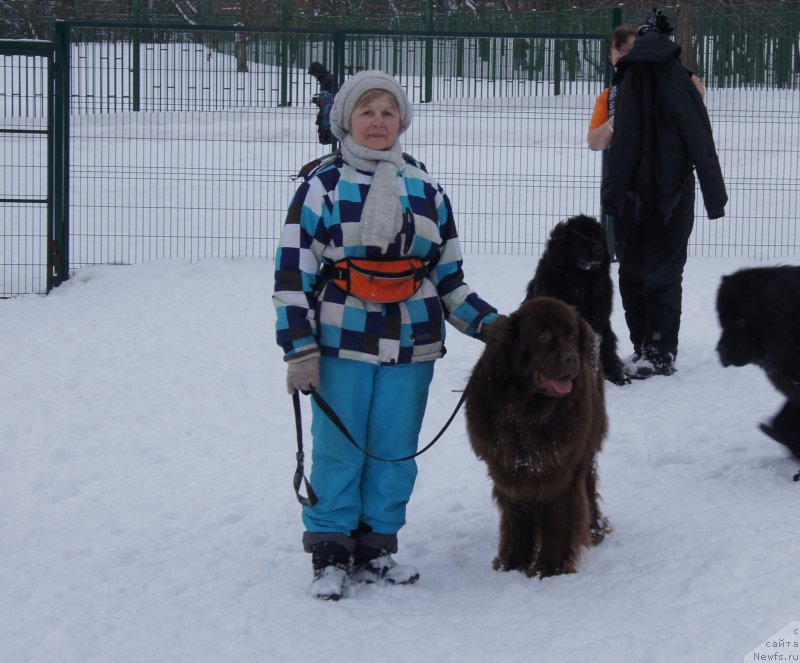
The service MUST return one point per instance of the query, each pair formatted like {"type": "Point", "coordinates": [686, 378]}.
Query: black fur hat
{"type": "Point", "coordinates": [318, 69]}
{"type": "Point", "coordinates": [656, 21]}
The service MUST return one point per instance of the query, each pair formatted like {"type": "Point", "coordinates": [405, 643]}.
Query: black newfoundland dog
{"type": "Point", "coordinates": [535, 412]}
{"type": "Point", "coordinates": [575, 268]}
{"type": "Point", "coordinates": [759, 312]}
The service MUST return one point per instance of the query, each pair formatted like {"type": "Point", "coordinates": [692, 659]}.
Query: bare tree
{"type": "Point", "coordinates": [684, 34]}
{"type": "Point", "coordinates": [23, 18]}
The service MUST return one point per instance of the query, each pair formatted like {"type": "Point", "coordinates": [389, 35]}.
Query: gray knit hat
{"type": "Point", "coordinates": [351, 92]}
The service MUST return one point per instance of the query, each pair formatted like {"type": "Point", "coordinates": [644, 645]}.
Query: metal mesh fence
{"type": "Point", "coordinates": [183, 142]}
{"type": "Point", "coordinates": [204, 167]}
{"type": "Point", "coordinates": [23, 173]}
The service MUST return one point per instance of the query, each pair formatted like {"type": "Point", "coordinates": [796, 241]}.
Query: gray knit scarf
{"type": "Point", "coordinates": [381, 219]}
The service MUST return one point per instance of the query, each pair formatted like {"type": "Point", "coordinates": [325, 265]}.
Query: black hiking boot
{"type": "Point", "coordinates": [641, 367]}
{"type": "Point", "coordinates": [331, 562]}
{"type": "Point", "coordinates": [373, 565]}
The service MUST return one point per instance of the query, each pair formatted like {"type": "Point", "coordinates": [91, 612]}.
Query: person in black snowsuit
{"type": "Point", "coordinates": [661, 133]}
{"type": "Point", "coordinates": [323, 100]}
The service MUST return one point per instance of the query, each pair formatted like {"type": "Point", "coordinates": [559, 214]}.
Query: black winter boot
{"type": "Point", "coordinates": [377, 565]}
{"type": "Point", "coordinates": [650, 363]}
{"type": "Point", "coordinates": [331, 562]}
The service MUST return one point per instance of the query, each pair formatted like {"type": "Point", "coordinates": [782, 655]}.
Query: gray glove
{"type": "Point", "coordinates": [302, 373]}
{"type": "Point", "coordinates": [486, 330]}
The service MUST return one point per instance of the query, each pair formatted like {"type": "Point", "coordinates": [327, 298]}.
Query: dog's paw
{"type": "Point", "coordinates": [599, 530]}
{"type": "Point", "coordinates": [543, 571]}
{"type": "Point", "coordinates": [786, 438]}
{"type": "Point", "coordinates": [615, 373]}
{"type": "Point", "coordinates": [768, 429]}
{"type": "Point", "coordinates": [500, 564]}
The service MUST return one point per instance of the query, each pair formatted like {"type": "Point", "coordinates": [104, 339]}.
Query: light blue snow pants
{"type": "Point", "coordinates": [382, 407]}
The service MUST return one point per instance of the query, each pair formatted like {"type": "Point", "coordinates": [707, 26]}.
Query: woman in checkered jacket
{"type": "Point", "coordinates": [370, 215]}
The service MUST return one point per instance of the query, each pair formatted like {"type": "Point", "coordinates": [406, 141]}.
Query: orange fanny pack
{"type": "Point", "coordinates": [381, 281]}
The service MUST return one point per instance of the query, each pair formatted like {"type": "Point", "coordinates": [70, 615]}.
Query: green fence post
{"type": "Point", "coordinates": [136, 55]}
{"type": "Point", "coordinates": [701, 34]}
{"type": "Point", "coordinates": [758, 74]}
{"type": "Point", "coordinates": [338, 58]}
{"type": "Point", "coordinates": [783, 49]}
{"type": "Point", "coordinates": [494, 59]}
{"type": "Point", "coordinates": [539, 57]}
{"type": "Point", "coordinates": [59, 232]}
{"type": "Point", "coordinates": [428, 95]}
{"type": "Point", "coordinates": [286, 11]}
{"type": "Point", "coordinates": [606, 220]}
{"type": "Point", "coordinates": [52, 252]}
{"type": "Point", "coordinates": [722, 50]}
{"type": "Point", "coordinates": [531, 47]}
{"type": "Point", "coordinates": [557, 44]}
{"type": "Point", "coordinates": [794, 28]}
{"type": "Point", "coordinates": [571, 47]}
{"type": "Point", "coordinates": [337, 71]}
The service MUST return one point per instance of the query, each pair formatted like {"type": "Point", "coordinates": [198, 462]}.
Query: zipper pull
{"type": "Point", "coordinates": [408, 227]}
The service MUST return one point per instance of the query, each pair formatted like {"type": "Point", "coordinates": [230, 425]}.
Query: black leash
{"type": "Point", "coordinates": [299, 475]}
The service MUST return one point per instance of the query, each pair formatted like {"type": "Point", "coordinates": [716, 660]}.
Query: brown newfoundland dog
{"type": "Point", "coordinates": [535, 412]}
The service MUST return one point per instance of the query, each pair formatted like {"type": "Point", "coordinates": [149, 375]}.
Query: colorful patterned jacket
{"type": "Point", "coordinates": [323, 225]}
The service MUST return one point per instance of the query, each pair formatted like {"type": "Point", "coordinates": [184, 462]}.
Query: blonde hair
{"type": "Point", "coordinates": [373, 94]}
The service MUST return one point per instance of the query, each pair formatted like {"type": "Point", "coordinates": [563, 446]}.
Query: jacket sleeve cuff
{"type": "Point", "coordinates": [302, 354]}
{"type": "Point", "coordinates": [716, 213]}
{"type": "Point", "coordinates": [486, 322]}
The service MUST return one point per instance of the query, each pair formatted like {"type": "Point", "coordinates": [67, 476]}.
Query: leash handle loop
{"type": "Point", "coordinates": [299, 473]}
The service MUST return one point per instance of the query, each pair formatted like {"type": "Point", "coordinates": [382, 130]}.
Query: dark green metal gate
{"type": "Point", "coordinates": [32, 241]}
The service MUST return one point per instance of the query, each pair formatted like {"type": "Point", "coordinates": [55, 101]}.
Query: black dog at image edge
{"type": "Point", "coordinates": [576, 268]}
{"type": "Point", "coordinates": [759, 312]}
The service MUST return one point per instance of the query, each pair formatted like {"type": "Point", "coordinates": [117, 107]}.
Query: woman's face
{"type": "Point", "coordinates": [376, 123]}
{"type": "Point", "coordinates": [616, 53]}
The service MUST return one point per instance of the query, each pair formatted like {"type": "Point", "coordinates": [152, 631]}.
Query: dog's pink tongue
{"type": "Point", "coordinates": [561, 386]}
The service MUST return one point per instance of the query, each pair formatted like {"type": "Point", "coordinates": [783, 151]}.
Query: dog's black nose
{"type": "Point", "coordinates": [570, 359]}
{"type": "Point", "coordinates": [598, 251]}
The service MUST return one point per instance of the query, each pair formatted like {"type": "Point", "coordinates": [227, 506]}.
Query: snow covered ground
{"type": "Point", "coordinates": [147, 448]}
{"type": "Point", "coordinates": [146, 455]}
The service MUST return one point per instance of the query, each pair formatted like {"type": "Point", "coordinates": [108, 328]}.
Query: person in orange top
{"type": "Point", "coordinates": [601, 126]}
{"type": "Point", "coordinates": [638, 264]}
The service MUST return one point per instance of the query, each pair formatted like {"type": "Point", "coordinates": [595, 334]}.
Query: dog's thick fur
{"type": "Point", "coordinates": [759, 312]}
{"type": "Point", "coordinates": [576, 268]}
{"type": "Point", "coordinates": [535, 412]}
